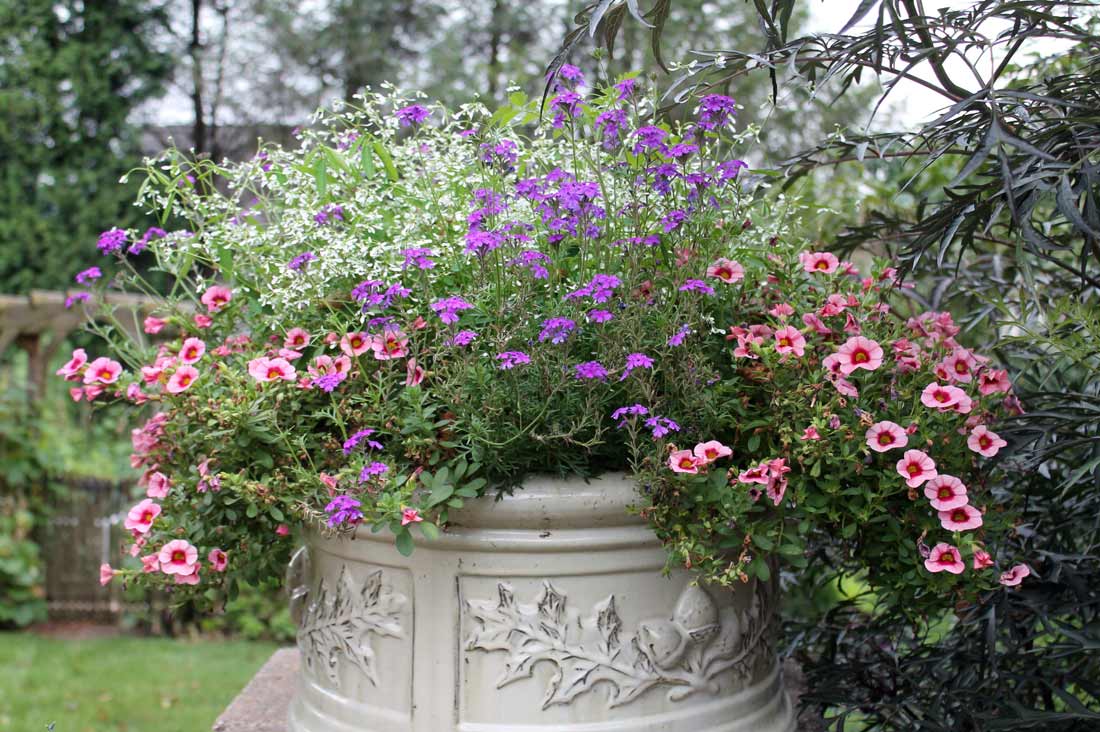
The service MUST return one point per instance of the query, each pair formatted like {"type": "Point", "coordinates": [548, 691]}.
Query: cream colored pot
{"type": "Point", "coordinates": [544, 612]}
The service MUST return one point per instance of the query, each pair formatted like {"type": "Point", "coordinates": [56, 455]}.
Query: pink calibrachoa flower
{"type": "Point", "coordinates": [782, 310]}
{"type": "Point", "coordinates": [218, 560]}
{"type": "Point", "coordinates": [982, 559]}
{"type": "Point", "coordinates": [183, 377]}
{"type": "Point", "coordinates": [152, 325]}
{"type": "Point", "coordinates": [960, 366]}
{"type": "Point", "coordinates": [859, 353]}
{"type": "Point", "coordinates": [188, 579]}
{"type": "Point", "coordinates": [72, 370]}
{"type": "Point", "coordinates": [410, 516]}
{"type": "Point", "coordinates": [414, 373]}
{"type": "Point", "coordinates": [103, 370]}
{"type": "Point", "coordinates": [984, 442]}
{"type": "Point", "coordinates": [942, 397]}
{"type": "Point", "coordinates": [140, 518]}
{"type": "Point", "coordinates": [355, 344]}
{"type": "Point", "coordinates": [202, 320]}
{"type": "Point", "coordinates": [789, 339]}
{"type": "Point", "coordinates": [962, 518]}
{"type": "Point", "coordinates": [1015, 576]}
{"type": "Point", "coordinates": [683, 461]}
{"type": "Point", "coordinates": [264, 369]}
{"type": "Point", "coordinates": [178, 557]}
{"type": "Point", "coordinates": [946, 492]}
{"type": "Point", "coordinates": [150, 564]}
{"type": "Point", "coordinates": [389, 345]}
{"type": "Point", "coordinates": [916, 467]}
{"type": "Point", "coordinates": [759, 474]}
{"type": "Point", "coordinates": [215, 298]}
{"type": "Point", "coordinates": [823, 262]}
{"type": "Point", "coordinates": [811, 320]}
{"type": "Point", "coordinates": [192, 350]}
{"type": "Point", "coordinates": [708, 452]}
{"type": "Point", "coordinates": [810, 433]}
{"type": "Point", "coordinates": [282, 530]}
{"type": "Point", "coordinates": [106, 574]}
{"type": "Point", "coordinates": [991, 381]}
{"type": "Point", "coordinates": [158, 485]}
{"type": "Point", "coordinates": [944, 558]}
{"type": "Point", "coordinates": [886, 435]}
{"type": "Point", "coordinates": [845, 388]}
{"type": "Point", "coordinates": [296, 338]}
{"type": "Point", "coordinates": [726, 270]}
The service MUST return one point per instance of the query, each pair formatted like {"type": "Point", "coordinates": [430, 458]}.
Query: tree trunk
{"type": "Point", "coordinates": [495, 34]}
{"type": "Point", "coordinates": [198, 129]}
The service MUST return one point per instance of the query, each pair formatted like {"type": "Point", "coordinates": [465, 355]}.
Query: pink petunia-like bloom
{"type": "Point", "coordinates": [73, 369]}
{"type": "Point", "coordinates": [410, 516]}
{"type": "Point", "coordinates": [917, 468]}
{"type": "Point", "coordinates": [389, 345]}
{"type": "Point", "coordinates": [726, 270]}
{"type": "Point", "coordinates": [140, 518]}
{"type": "Point", "coordinates": [282, 530]}
{"type": "Point", "coordinates": [993, 381]}
{"type": "Point", "coordinates": [819, 262]}
{"type": "Point", "coordinates": [264, 369]}
{"type": "Point", "coordinates": [708, 452]}
{"type": "Point", "coordinates": [962, 518]}
{"type": "Point", "coordinates": [859, 353]}
{"type": "Point", "coordinates": [218, 560]}
{"type": "Point", "coordinates": [188, 579]}
{"type": "Point", "coordinates": [944, 558]}
{"type": "Point", "coordinates": [150, 563]}
{"type": "Point", "coordinates": [960, 365]}
{"type": "Point", "coordinates": [106, 574]}
{"type": "Point", "coordinates": [941, 397]}
{"type": "Point", "coordinates": [845, 388]}
{"type": "Point", "coordinates": [1015, 576]}
{"type": "Point", "coordinates": [789, 339]}
{"type": "Point", "coordinates": [777, 480]}
{"type": "Point", "coordinates": [810, 433]}
{"type": "Point", "coordinates": [203, 320]}
{"type": "Point", "coordinates": [153, 325]}
{"type": "Point", "coordinates": [946, 492]}
{"type": "Point", "coordinates": [984, 442]}
{"type": "Point", "coordinates": [414, 373]}
{"type": "Point", "coordinates": [215, 298]}
{"type": "Point", "coordinates": [782, 311]}
{"type": "Point", "coordinates": [355, 344]}
{"type": "Point", "coordinates": [759, 474]}
{"type": "Point", "coordinates": [886, 435]}
{"type": "Point", "coordinates": [818, 325]}
{"type": "Point", "coordinates": [158, 485]}
{"type": "Point", "coordinates": [181, 379]}
{"type": "Point", "coordinates": [684, 461]}
{"type": "Point", "coordinates": [296, 338]}
{"type": "Point", "coordinates": [178, 557]}
{"type": "Point", "coordinates": [982, 559]}
{"type": "Point", "coordinates": [192, 350]}
{"type": "Point", "coordinates": [103, 370]}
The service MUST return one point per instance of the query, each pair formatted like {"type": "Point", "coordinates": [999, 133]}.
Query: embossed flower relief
{"type": "Point", "coordinates": [341, 622]}
{"type": "Point", "coordinates": [687, 652]}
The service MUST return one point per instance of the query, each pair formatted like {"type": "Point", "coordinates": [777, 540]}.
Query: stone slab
{"type": "Point", "coordinates": [262, 706]}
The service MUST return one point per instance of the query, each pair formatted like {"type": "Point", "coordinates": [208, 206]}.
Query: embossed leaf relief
{"type": "Point", "coordinates": [686, 652]}
{"type": "Point", "coordinates": [340, 622]}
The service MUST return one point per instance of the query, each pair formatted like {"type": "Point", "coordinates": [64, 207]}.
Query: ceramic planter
{"type": "Point", "coordinates": [545, 612]}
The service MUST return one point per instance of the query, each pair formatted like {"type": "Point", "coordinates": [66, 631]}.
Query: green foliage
{"type": "Point", "coordinates": [72, 73]}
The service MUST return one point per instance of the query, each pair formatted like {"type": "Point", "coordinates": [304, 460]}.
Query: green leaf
{"type": "Point", "coordinates": [429, 530]}
{"type": "Point", "coordinates": [404, 542]}
{"type": "Point", "coordinates": [440, 494]}
{"type": "Point", "coordinates": [252, 511]}
{"type": "Point", "coordinates": [387, 160]}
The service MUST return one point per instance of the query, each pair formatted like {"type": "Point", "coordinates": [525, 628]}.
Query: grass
{"type": "Point", "coordinates": [120, 684]}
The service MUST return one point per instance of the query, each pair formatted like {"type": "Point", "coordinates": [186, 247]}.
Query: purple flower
{"type": "Point", "coordinates": [599, 316]}
{"type": "Point", "coordinates": [369, 471]}
{"type": "Point", "coordinates": [650, 138]}
{"type": "Point", "coordinates": [556, 330]}
{"type": "Point", "coordinates": [482, 242]}
{"type": "Point", "coordinates": [448, 308]}
{"type": "Point", "coordinates": [111, 241]}
{"type": "Point", "coordinates": [728, 170]}
{"type": "Point", "coordinates": [567, 104]}
{"type": "Point", "coordinates": [413, 114]}
{"type": "Point", "coordinates": [572, 74]}
{"type": "Point", "coordinates": [75, 298]}
{"type": "Point", "coordinates": [532, 259]}
{"type": "Point", "coordinates": [329, 213]}
{"type": "Point", "coordinates": [329, 382]}
{"type": "Point", "coordinates": [375, 293]}
{"type": "Point", "coordinates": [462, 338]}
{"type": "Point", "coordinates": [601, 288]}
{"type": "Point", "coordinates": [673, 219]}
{"type": "Point", "coordinates": [301, 261]}
{"type": "Point", "coordinates": [622, 413]}
{"type": "Point", "coordinates": [636, 361]}
{"type": "Point", "coordinates": [682, 150]}
{"type": "Point", "coordinates": [419, 257]}
{"type": "Point", "coordinates": [353, 442]}
{"type": "Point", "coordinates": [511, 359]}
{"type": "Point", "coordinates": [343, 509]}
{"type": "Point", "coordinates": [611, 123]}
{"type": "Point", "coordinates": [85, 277]}
{"type": "Point", "coordinates": [715, 111]}
{"type": "Point", "coordinates": [626, 88]}
{"type": "Point", "coordinates": [697, 286]}
{"type": "Point", "coordinates": [677, 338]}
{"type": "Point", "coordinates": [590, 370]}
{"type": "Point", "coordinates": [661, 426]}
{"type": "Point", "coordinates": [152, 232]}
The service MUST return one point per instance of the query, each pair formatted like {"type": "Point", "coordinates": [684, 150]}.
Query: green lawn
{"type": "Point", "coordinates": [120, 684]}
